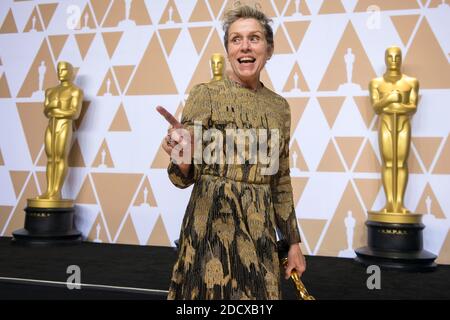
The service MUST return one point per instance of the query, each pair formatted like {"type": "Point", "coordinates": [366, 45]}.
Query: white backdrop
{"type": "Point", "coordinates": [133, 55]}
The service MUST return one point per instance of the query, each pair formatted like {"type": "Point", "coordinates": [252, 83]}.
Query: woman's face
{"type": "Point", "coordinates": [248, 50]}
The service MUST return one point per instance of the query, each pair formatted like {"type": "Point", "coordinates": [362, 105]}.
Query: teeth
{"type": "Point", "coordinates": [241, 60]}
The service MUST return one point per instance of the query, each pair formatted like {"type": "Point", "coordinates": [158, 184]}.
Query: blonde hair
{"type": "Point", "coordinates": [247, 12]}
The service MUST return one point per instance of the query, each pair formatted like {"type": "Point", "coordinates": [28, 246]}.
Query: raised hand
{"type": "Point", "coordinates": [177, 134]}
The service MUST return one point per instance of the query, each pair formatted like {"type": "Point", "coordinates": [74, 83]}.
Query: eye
{"type": "Point", "coordinates": [254, 38]}
{"type": "Point", "coordinates": [236, 40]}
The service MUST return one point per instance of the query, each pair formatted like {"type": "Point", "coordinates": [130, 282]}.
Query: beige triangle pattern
{"type": "Point", "coordinates": [111, 40]}
{"type": "Point", "coordinates": [368, 189]}
{"type": "Point", "coordinates": [300, 162]}
{"type": "Point", "coordinates": [297, 106]}
{"type": "Point", "coordinates": [437, 3]}
{"type": "Point", "coordinates": [120, 186]}
{"type": "Point", "coordinates": [100, 7]}
{"type": "Point", "coordinates": [312, 229]}
{"type": "Point", "coordinates": [265, 79]}
{"type": "Point", "coordinates": [215, 6]}
{"type": "Point", "coordinates": [34, 124]}
{"type": "Point", "coordinates": [335, 238]}
{"type": "Point", "coordinates": [31, 83]}
{"type": "Point", "coordinates": [200, 12]}
{"type": "Point", "coordinates": [349, 147]}
{"type": "Point", "coordinates": [47, 11]}
{"type": "Point", "coordinates": [2, 162]}
{"type": "Point", "coordinates": [84, 109]}
{"type": "Point", "coordinates": [5, 211]}
{"type": "Point", "coordinates": [297, 31]}
{"type": "Point", "coordinates": [18, 217]}
{"type": "Point", "coordinates": [330, 107]}
{"type": "Point", "coordinates": [145, 195]}
{"type": "Point", "coordinates": [108, 87]}
{"type": "Point", "coordinates": [427, 148]}
{"type": "Point", "coordinates": [336, 73]}
{"type": "Point", "coordinates": [303, 9]}
{"type": "Point", "coordinates": [365, 109]}
{"type": "Point", "coordinates": [331, 6]}
{"type": "Point", "coordinates": [139, 13]}
{"type": "Point", "coordinates": [298, 186]}
{"type": "Point", "coordinates": [168, 38]}
{"type": "Point", "coordinates": [4, 87]}
{"type": "Point", "coordinates": [290, 84]}
{"type": "Point", "coordinates": [75, 157]}
{"type": "Point", "coordinates": [386, 5]}
{"type": "Point", "coordinates": [330, 160]}
{"type": "Point", "coordinates": [282, 44]}
{"type": "Point", "coordinates": [128, 233]}
{"type": "Point", "coordinates": [42, 180]}
{"type": "Point", "coordinates": [57, 43]}
{"type": "Point", "coordinates": [115, 14]}
{"type": "Point", "coordinates": [84, 41]}
{"type": "Point", "coordinates": [86, 194]}
{"type": "Point", "coordinates": [368, 161]}
{"type": "Point", "coordinates": [120, 122]}
{"type": "Point", "coordinates": [87, 19]}
{"type": "Point", "coordinates": [98, 231]}
{"type": "Point", "coordinates": [18, 179]}
{"type": "Point", "coordinates": [9, 24]}
{"type": "Point", "coordinates": [444, 254]}
{"type": "Point", "coordinates": [442, 166]}
{"type": "Point", "coordinates": [161, 160]}
{"type": "Point", "coordinates": [123, 75]}
{"type": "Point", "coordinates": [405, 25]}
{"type": "Point", "coordinates": [159, 236]}
{"type": "Point", "coordinates": [154, 60]}
{"type": "Point", "coordinates": [428, 196]}
{"type": "Point", "coordinates": [202, 73]}
{"type": "Point", "coordinates": [199, 36]}
{"type": "Point", "coordinates": [34, 22]}
{"type": "Point", "coordinates": [170, 14]}
{"type": "Point", "coordinates": [426, 73]}
{"type": "Point", "coordinates": [103, 158]}
{"type": "Point", "coordinates": [413, 163]}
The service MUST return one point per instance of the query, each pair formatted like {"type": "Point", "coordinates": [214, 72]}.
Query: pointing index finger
{"type": "Point", "coordinates": [169, 117]}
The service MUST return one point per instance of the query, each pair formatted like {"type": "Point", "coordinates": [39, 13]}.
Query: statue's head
{"type": "Point", "coordinates": [393, 58]}
{"type": "Point", "coordinates": [65, 71]}
{"type": "Point", "coordinates": [217, 64]}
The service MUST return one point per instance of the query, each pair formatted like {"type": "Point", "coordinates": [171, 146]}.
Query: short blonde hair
{"type": "Point", "coordinates": [247, 12]}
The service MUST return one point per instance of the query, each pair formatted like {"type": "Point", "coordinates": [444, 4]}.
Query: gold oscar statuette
{"type": "Point", "coordinates": [394, 97]}
{"type": "Point", "coordinates": [62, 106]}
{"type": "Point", "coordinates": [49, 219]}
{"type": "Point", "coordinates": [217, 66]}
{"type": "Point", "coordinates": [394, 234]}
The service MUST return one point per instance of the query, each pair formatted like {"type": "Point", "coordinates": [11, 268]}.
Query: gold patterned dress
{"type": "Point", "coordinates": [228, 235]}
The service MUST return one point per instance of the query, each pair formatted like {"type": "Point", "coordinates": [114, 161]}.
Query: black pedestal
{"type": "Point", "coordinates": [396, 245]}
{"type": "Point", "coordinates": [48, 226]}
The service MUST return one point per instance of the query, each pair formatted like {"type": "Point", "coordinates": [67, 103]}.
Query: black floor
{"type": "Point", "coordinates": [147, 267]}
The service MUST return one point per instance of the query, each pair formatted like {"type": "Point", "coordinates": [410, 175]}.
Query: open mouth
{"type": "Point", "coordinates": [246, 60]}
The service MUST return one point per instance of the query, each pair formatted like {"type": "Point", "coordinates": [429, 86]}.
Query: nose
{"type": "Point", "coordinates": [245, 45]}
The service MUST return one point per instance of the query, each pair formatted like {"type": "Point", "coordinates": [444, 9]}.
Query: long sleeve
{"type": "Point", "coordinates": [281, 187]}
{"type": "Point", "coordinates": [197, 108]}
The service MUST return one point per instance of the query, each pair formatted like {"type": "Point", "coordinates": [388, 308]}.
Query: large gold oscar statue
{"type": "Point", "coordinates": [217, 66]}
{"type": "Point", "coordinates": [62, 106]}
{"type": "Point", "coordinates": [49, 216]}
{"type": "Point", "coordinates": [394, 233]}
{"type": "Point", "coordinates": [394, 97]}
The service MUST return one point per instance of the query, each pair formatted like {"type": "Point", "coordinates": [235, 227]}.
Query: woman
{"type": "Point", "coordinates": [228, 242]}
